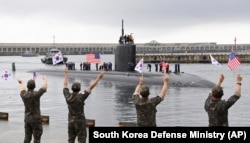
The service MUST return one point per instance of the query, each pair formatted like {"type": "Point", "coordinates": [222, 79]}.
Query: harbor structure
{"type": "Point", "coordinates": [151, 51]}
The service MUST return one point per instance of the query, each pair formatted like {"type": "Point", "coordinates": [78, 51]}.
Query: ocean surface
{"type": "Point", "coordinates": [110, 102]}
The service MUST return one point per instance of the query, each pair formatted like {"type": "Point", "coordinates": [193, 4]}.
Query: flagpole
{"type": "Point", "coordinates": [142, 66]}
{"type": "Point", "coordinates": [235, 45]}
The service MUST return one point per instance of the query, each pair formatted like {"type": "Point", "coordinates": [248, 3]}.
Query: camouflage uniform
{"type": "Point", "coordinates": [33, 120]}
{"type": "Point", "coordinates": [76, 116]}
{"type": "Point", "coordinates": [218, 110]}
{"type": "Point", "coordinates": [146, 110]}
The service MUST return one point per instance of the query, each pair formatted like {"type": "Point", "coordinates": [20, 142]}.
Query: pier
{"type": "Point", "coordinates": [191, 57]}
{"type": "Point", "coordinates": [152, 51]}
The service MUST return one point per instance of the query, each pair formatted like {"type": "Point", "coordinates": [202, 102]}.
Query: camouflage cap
{"type": "Point", "coordinates": [76, 87]}
{"type": "Point", "coordinates": [144, 91]}
{"type": "Point", "coordinates": [217, 92]}
{"type": "Point", "coordinates": [31, 84]}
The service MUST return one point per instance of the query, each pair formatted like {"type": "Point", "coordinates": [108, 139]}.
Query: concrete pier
{"type": "Point", "coordinates": [153, 47]}
{"type": "Point", "coordinates": [191, 57]}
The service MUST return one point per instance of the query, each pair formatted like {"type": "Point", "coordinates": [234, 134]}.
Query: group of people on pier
{"type": "Point", "coordinates": [216, 108]}
{"type": "Point", "coordinates": [164, 67]}
{"type": "Point", "coordinates": [85, 66]}
{"type": "Point", "coordinates": [71, 65]}
{"type": "Point", "coordinates": [106, 66]}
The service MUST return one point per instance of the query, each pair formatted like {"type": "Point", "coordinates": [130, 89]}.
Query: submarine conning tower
{"type": "Point", "coordinates": [125, 53]}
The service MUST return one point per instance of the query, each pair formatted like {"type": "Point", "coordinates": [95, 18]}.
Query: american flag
{"type": "Point", "coordinates": [233, 61]}
{"type": "Point", "coordinates": [93, 58]}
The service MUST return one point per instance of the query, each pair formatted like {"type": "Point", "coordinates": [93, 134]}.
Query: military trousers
{"type": "Point", "coordinates": [77, 128]}
{"type": "Point", "coordinates": [33, 128]}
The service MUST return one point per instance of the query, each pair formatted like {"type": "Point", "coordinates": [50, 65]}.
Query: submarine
{"type": "Point", "coordinates": [175, 80]}
{"type": "Point", "coordinates": [125, 55]}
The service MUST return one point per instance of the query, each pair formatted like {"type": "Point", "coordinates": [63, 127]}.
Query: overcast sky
{"type": "Point", "coordinates": [99, 21]}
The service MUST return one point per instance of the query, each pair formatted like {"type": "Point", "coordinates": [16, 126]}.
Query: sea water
{"type": "Point", "coordinates": [110, 102]}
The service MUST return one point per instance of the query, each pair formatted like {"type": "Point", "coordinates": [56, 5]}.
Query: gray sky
{"type": "Point", "coordinates": [99, 21]}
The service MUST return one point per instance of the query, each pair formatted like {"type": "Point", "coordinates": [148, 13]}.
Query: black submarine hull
{"type": "Point", "coordinates": [132, 78]}
{"type": "Point", "coordinates": [125, 55]}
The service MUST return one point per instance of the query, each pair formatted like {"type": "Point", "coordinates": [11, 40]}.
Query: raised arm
{"type": "Point", "coordinates": [66, 77]}
{"type": "Point", "coordinates": [94, 83]}
{"type": "Point", "coordinates": [221, 79]}
{"type": "Point", "coordinates": [138, 87]}
{"type": "Point", "coordinates": [45, 83]}
{"type": "Point", "coordinates": [164, 87]}
{"type": "Point", "coordinates": [22, 85]}
{"type": "Point", "coordinates": [238, 84]}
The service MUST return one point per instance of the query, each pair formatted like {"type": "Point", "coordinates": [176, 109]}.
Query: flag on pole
{"type": "Point", "coordinates": [233, 61]}
{"type": "Point", "coordinates": [6, 75]}
{"type": "Point", "coordinates": [35, 75]}
{"type": "Point", "coordinates": [93, 58]}
{"type": "Point", "coordinates": [139, 65]}
{"type": "Point", "coordinates": [214, 61]}
{"type": "Point", "coordinates": [57, 58]}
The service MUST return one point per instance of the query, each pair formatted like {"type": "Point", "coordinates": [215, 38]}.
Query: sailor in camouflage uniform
{"type": "Point", "coordinates": [31, 100]}
{"type": "Point", "coordinates": [217, 108]}
{"type": "Point", "coordinates": [75, 101]}
{"type": "Point", "coordinates": [145, 106]}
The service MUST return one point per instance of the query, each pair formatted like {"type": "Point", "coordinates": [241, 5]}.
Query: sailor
{"type": "Point", "coordinates": [81, 65]}
{"type": "Point", "coordinates": [130, 38]}
{"type": "Point", "coordinates": [165, 67]}
{"type": "Point", "coordinates": [96, 66]}
{"type": "Point", "coordinates": [156, 67]}
{"type": "Point", "coordinates": [149, 67]}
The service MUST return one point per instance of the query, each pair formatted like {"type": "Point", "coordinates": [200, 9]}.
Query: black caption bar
{"type": "Point", "coordinates": [163, 134]}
